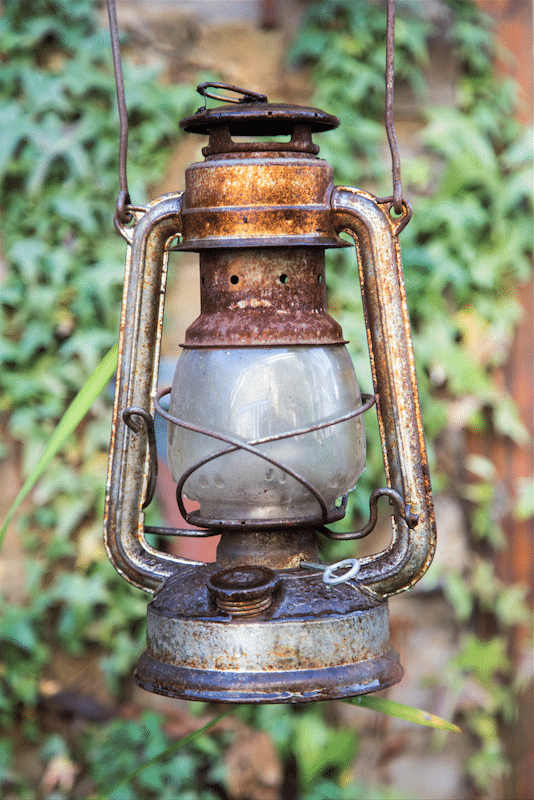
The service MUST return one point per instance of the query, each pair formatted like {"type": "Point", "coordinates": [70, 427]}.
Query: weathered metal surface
{"type": "Point", "coordinates": [259, 119]}
{"type": "Point", "coordinates": [289, 686]}
{"type": "Point", "coordinates": [375, 234]}
{"type": "Point", "coordinates": [258, 199]}
{"type": "Point", "coordinates": [263, 296]}
{"type": "Point", "coordinates": [243, 590]}
{"type": "Point", "coordinates": [140, 336]}
{"type": "Point", "coordinates": [313, 642]}
{"type": "Point", "coordinates": [274, 549]}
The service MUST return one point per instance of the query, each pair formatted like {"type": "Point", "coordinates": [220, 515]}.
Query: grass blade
{"type": "Point", "coordinates": [68, 422]}
{"type": "Point", "coordinates": [169, 751]}
{"type": "Point", "coordinates": [401, 711]}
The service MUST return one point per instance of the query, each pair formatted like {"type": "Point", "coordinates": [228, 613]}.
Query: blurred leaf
{"type": "Point", "coordinates": [316, 746]}
{"type": "Point", "coordinates": [16, 627]}
{"type": "Point", "coordinates": [74, 414]}
{"type": "Point", "coordinates": [162, 756]}
{"type": "Point", "coordinates": [484, 658]}
{"type": "Point", "coordinates": [459, 594]}
{"type": "Point", "coordinates": [524, 505]}
{"type": "Point", "coordinates": [399, 710]}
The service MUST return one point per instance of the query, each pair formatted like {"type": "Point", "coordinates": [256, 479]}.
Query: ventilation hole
{"type": "Point", "coordinates": [319, 278]}
{"type": "Point", "coordinates": [245, 220]}
{"type": "Point", "coordinates": [283, 278]}
{"type": "Point", "coordinates": [234, 279]}
{"type": "Point", "coordinates": [202, 281]}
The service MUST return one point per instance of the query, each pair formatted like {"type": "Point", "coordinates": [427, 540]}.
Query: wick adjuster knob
{"type": "Point", "coordinates": [243, 590]}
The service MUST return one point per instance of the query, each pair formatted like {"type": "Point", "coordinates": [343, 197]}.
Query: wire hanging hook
{"type": "Point", "coordinates": [123, 200]}
{"type": "Point", "coordinates": [390, 124]}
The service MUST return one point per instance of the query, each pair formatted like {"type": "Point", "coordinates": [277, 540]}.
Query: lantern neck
{"type": "Point", "coordinates": [273, 549]}
{"type": "Point", "coordinates": [263, 296]}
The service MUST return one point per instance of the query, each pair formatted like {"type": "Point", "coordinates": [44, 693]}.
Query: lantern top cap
{"type": "Point", "coordinates": [253, 115]}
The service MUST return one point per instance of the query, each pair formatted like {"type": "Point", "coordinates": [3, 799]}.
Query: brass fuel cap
{"type": "Point", "coordinates": [243, 590]}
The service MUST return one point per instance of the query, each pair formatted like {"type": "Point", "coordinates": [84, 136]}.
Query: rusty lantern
{"type": "Point", "coordinates": [265, 425]}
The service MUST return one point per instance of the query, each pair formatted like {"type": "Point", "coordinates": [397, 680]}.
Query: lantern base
{"type": "Point", "coordinates": [298, 686]}
{"type": "Point", "coordinates": [313, 642]}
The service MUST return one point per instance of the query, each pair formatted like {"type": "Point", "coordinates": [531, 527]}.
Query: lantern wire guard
{"type": "Point", "coordinates": [267, 622]}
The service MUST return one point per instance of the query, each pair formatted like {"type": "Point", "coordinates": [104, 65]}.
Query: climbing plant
{"type": "Point", "coordinates": [59, 309]}
{"type": "Point", "coordinates": [465, 250]}
{"type": "Point", "coordinates": [59, 315]}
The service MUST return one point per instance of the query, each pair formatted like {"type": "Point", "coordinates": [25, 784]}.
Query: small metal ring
{"type": "Point", "coordinates": [398, 223]}
{"type": "Point", "coordinates": [330, 580]}
{"type": "Point", "coordinates": [123, 212]}
{"type": "Point", "coordinates": [248, 96]}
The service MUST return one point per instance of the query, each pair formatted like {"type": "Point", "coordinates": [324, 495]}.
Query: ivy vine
{"type": "Point", "coordinates": [468, 245]}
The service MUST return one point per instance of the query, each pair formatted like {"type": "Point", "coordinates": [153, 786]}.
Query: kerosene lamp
{"type": "Point", "coordinates": [265, 420]}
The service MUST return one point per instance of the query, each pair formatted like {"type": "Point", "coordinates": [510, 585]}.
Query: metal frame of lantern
{"type": "Point", "coordinates": [278, 632]}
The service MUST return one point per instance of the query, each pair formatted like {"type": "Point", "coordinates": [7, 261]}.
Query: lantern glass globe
{"type": "Point", "coordinates": [250, 393]}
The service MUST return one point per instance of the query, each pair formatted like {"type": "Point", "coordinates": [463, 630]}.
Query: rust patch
{"type": "Point", "coordinates": [263, 296]}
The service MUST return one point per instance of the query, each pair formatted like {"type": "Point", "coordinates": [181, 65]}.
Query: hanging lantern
{"type": "Point", "coordinates": [265, 420]}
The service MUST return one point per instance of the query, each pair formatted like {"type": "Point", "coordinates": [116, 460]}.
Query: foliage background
{"type": "Point", "coordinates": [464, 252]}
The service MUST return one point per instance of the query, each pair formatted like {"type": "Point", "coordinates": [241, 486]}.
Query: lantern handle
{"type": "Point", "coordinates": [123, 212]}
{"type": "Point", "coordinates": [389, 119]}
{"type": "Point", "coordinates": [247, 95]}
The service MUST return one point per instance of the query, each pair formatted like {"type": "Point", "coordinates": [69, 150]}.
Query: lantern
{"type": "Point", "coordinates": [265, 422]}
{"type": "Point", "coordinates": [265, 415]}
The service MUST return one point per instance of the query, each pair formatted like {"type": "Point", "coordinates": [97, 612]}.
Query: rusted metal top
{"type": "Point", "coordinates": [251, 115]}
{"type": "Point", "coordinates": [259, 119]}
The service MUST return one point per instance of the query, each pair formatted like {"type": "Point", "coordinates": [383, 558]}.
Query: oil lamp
{"type": "Point", "coordinates": [265, 420]}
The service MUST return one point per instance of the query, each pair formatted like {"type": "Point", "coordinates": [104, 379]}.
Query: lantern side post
{"type": "Point", "coordinates": [375, 234]}
{"type": "Point", "coordinates": [129, 472]}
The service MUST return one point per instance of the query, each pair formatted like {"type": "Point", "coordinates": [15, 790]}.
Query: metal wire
{"type": "Point", "coordinates": [390, 125]}
{"type": "Point", "coordinates": [128, 416]}
{"type": "Point", "coordinates": [247, 95]}
{"type": "Point", "coordinates": [403, 511]}
{"type": "Point", "coordinates": [123, 199]}
{"type": "Point", "coordinates": [368, 401]}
